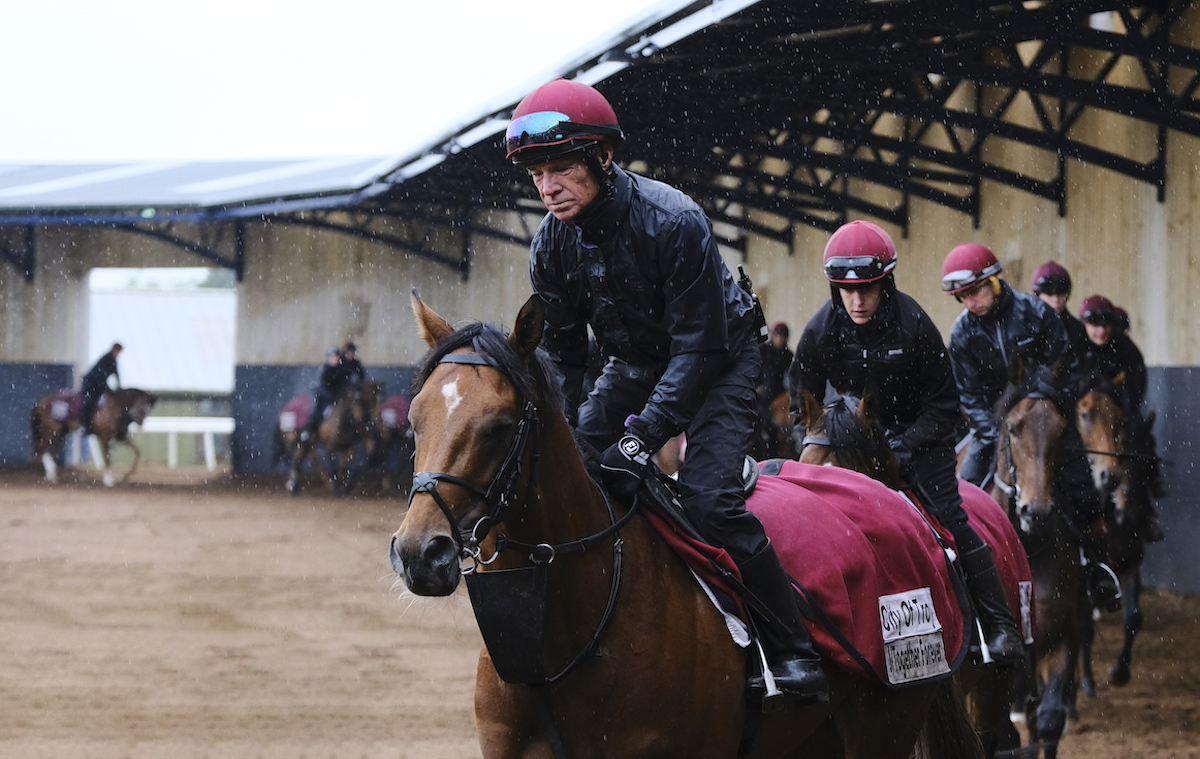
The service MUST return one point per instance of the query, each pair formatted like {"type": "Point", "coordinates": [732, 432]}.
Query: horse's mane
{"type": "Point", "coordinates": [535, 379]}
{"type": "Point", "coordinates": [1095, 381]}
{"type": "Point", "coordinates": [1036, 380]}
{"type": "Point", "coordinates": [841, 425]}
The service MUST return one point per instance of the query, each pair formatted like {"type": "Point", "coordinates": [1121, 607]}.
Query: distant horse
{"type": "Point", "coordinates": [1028, 452]}
{"type": "Point", "coordinates": [846, 432]}
{"type": "Point", "coordinates": [610, 646]}
{"type": "Point", "coordinates": [774, 433]}
{"type": "Point", "coordinates": [55, 415]}
{"type": "Point", "coordinates": [392, 455]}
{"type": "Point", "coordinates": [1125, 509]}
{"type": "Point", "coordinates": [347, 436]}
{"type": "Point", "coordinates": [1099, 417]}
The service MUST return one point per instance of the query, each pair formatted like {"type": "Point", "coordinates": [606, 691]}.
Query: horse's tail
{"type": "Point", "coordinates": [948, 732]}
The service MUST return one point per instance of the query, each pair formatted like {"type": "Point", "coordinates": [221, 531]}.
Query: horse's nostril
{"type": "Point", "coordinates": [440, 551]}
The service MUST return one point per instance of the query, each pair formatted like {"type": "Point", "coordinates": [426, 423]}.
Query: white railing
{"type": "Point", "coordinates": [174, 426]}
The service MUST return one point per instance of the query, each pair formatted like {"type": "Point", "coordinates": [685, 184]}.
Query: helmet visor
{"type": "Point", "coordinates": [856, 269]}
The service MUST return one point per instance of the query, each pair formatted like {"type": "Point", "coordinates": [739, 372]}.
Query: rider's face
{"type": "Point", "coordinates": [862, 302]}
{"type": "Point", "coordinates": [1099, 334]}
{"type": "Point", "coordinates": [1057, 302]}
{"type": "Point", "coordinates": [980, 299]}
{"type": "Point", "coordinates": [566, 185]}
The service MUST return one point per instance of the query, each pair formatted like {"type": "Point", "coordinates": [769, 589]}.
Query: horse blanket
{"type": "Point", "coordinates": [295, 414]}
{"type": "Point", "coordinates": [873, 572]}
{"type": "Point", "coordinates": [65, 405]}
{"type": "Point", "coordinates": [394, 412]}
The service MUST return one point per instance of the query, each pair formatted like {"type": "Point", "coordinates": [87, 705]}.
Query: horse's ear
{"type": "Point", "coordinates": [430, 326]}
{"type": "Point", "coordinates": [1061, 372]}
{"type": "Point", "coordinates": [1016, 369]}
{"type": "Point", "coordinates": [1119, 380]}
{"type": "Point", "coordinates": [531, 322]}
{"type": "Point", "coordinates": [810, 410]}
{"type": "Point", "coordinates": [1150, 419]}
{"type": "Point", "coordinates": [866, 408]}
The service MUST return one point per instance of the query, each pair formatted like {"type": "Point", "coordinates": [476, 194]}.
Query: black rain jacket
{"type": "Point", "coordinates": [643, 270]}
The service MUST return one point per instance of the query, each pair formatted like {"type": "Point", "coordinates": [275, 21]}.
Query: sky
{"type": "Point", "coordinates": [141, 80]}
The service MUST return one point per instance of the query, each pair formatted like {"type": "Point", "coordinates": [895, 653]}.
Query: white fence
{"type": "Point", "coordinates": [174, 426]}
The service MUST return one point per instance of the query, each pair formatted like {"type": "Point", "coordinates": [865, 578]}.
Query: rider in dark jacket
{"type": "Point", "coordinates": [869, 335]}
{"type": "Point", "coordinates": [996, 324]}
{"type": "Point", "coordinates": [328, 386]}
{"type": "Point", "coordinates": [1052, 283]}
{"type": "Point", "coordinates": [94, 383]}
{"type": "Point", "coordinates": [637, 262]}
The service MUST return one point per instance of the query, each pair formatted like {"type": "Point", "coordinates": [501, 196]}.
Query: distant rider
{"type": "Point", "coordinates": [95, 383]}
{"type": "Point", "coordinates": [996, 324]}
{"type": "Point", "coordinates": [1052, 283]}
{"type": "Point", "coordinates": [637, 261]}
{"type": "Point", "coordinates": [328, 387]}
{"type": "Point", "coordinates": [871, 335]}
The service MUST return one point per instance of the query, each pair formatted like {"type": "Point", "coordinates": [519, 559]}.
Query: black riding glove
{"type": "Point", "coordinates": [624, 465]}
{"type": "Point", "coordinates": [903, 454]}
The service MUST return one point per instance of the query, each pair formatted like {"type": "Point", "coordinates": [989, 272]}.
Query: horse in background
{"type": "Point", "coordinates": [56, 415]}
{"type": "Point", "coordinates": [1028, 450]}
{"type": "Point", "coordinates": [393, 450]}
{"type": "Point", "coordinates": [616, 605]}
{"type": "Point", "coordinates": [846, 432]}
{"type": "Point", "coordinates": [1125, 507]}
{"type": "Point", "coordinates": [774, 434]}
{"type": "Point", "coordinates": [346, 437]}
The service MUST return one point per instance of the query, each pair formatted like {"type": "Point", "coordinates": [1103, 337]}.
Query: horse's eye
{"type": "Point", "coordinates": [500, 428]}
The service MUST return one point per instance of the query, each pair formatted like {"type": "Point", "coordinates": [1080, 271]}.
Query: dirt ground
{"type": "Point", "coordinates": [189, 616]}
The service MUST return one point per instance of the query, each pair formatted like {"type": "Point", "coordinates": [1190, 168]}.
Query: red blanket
{"type": "Point", "coordinates": [394, 412]}
{"type": "Point", "coordinates": [295, 414]}
{"type": "Point", "coordinates": [65, 405]}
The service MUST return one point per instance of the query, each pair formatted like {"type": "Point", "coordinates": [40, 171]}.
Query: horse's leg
{"type": "Point", "coordinates": [989, 700]}
{"type": "Point", "coordinates": [1052, 712]}
{"type": "Point", "coordinates": [879, 724]}
{"type": "Point", "coordinates": [1087, 635]}
{"type": "Point", "coordinates": [293, 478]}
{"type": "Point", "coordinates": [1132, 618]}
{"type": "Point", "coordinates": [105, 459]}
{"type": "Point", "coordinates": [137, 456]}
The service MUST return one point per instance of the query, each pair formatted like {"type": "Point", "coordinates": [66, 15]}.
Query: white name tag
{"type": "Point", "coordinates": [912, 636]}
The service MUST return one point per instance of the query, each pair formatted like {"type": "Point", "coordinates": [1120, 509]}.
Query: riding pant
{"type": "Point", "coordinates": [932, 476]}
{"type": "Point", "coordinates": [710, 479]}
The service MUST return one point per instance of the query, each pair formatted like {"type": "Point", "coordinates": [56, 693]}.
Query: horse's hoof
{"type": "Point", "coordinates": [109, 480]}
{"type": "Point", "coordinates": [292, 486]}
{"type": "Point", "coordinates": [1119, 675]}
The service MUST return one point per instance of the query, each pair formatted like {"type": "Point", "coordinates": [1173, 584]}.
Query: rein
{"type": "Point", "coordinates": [498, 495]}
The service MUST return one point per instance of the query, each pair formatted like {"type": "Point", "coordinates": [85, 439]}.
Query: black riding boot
{"type": "Point", "coordinates": [1004, 641]}
{"type": "Point", "coordinates": [795, 666]}
{"type": "Point", "coordinates": [1102, 581]}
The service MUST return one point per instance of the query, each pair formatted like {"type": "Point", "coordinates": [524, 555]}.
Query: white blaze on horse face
{"type": "Point", "coordinates": [451, 395]}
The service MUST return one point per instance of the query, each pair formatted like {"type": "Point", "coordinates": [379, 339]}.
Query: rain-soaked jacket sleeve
{"type": "Point", "coordinates": [565, 338]}
{"type": "Point", "coordinates": [698, 292]}
{"type": "Point", "coordinates": [971, 393]}
{"type": "Point", "coordinates": [940, 400]}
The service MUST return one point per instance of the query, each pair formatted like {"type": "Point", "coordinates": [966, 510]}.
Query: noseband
{"type": "Point", "coordinates": [498, 494]}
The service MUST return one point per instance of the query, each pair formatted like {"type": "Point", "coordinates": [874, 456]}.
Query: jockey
{"type": "Point", "coordinates": [871, 335]}
{"type": "Point", "coordinates": [776, 358]}
{"type": "Point", "coordinates": [352, 373]}
{"type": "Point", "coordinates": [1052, 283]}
{"type": "Point", "coordinates": [637, 262]}
{"type": "Point", "coordinates": [94, 383]}
{"type": "Point", "coordinates": [328, 387]}
{"type": "Point", "coordinates": [1111, 352]}
{"type": "Point", "coordinates": [996, 324]}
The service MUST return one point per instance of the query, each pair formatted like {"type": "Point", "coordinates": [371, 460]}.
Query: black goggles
{"type": "Point", "coordinates": [1053, 284]}
{"type": "Point", "coordinates": [855, 268]}
{"type": "Point", "coordinates": [545, 128]}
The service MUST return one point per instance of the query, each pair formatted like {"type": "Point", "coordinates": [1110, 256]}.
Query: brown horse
{"type": "Point", "coordinates": [1099, 417]}
{"type": "Point", "coordinates": [774, 433]}
{"type": "Point", "coordinates": [1028, 451]}
{"type": "Point", "coordinates": [56, 415]}
{"type": "Point", "coordinates": [347, 436]}
{"type": "Point", "coordinates": [611, 647]}
{"type": "Point", "coordinates": [1125, 504]}
{"type": "Point", "coordinates": [847, 433]}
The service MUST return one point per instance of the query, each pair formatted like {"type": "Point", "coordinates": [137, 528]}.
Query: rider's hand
{"type": "Point", "coordinates": [624, 465]}
{"type": "Point", "coordinates": [903, 454]}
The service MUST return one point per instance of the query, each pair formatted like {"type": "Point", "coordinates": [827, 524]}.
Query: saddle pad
{"type": "Point", "coordinates": [872, 566]}
{"type": "Point", "coordinates": [993, 525]}
{"type": "Point", "coordinates": [295, 414]}
{"type": "Point", "coordinates": [394, 412]}
{"type": "Point", "coordinates": [65, 405]}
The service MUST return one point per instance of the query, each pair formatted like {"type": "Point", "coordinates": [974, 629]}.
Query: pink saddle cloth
{"type": "Point", "coordinates": [295, 414]}
{"type": "Point", "coordinates": [65, 405]}
{"type": "Point", "coordinates": [873, 571]}
{"type": "Point", "coordinates": [394, 412]}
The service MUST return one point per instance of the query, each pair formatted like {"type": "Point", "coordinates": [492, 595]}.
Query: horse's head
{"type": "Point", "coordinates": [847, 433]}
{"type": "Point", "coordinates": [473, 416]}
{"type": "Point", "coordinates": [1130, 497]}
{"type": "Point", "coordinates": [138, 404]}
{"type": "Point", "coordinates": [1100, 420]}
{"type": "Point", "coordinates": [1032, 427]}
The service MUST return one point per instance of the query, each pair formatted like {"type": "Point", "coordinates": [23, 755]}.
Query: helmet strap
{"type": "Point", "coordinates": [606, 177]}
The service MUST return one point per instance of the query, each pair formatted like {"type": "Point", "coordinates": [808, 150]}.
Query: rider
{"type": "Point", "coordinates": [869, 334]}
{"type": "Point", "coordinates": [996, 324]}
{"type": "Point", "coordinates": [637, 262]}
{"type": "Point", "coordinates": [1052, 283]}
{"type": "Point", "coordinates": [352, 372]}
{"type": "Point", "coordinates": [94, 383]}
{"type": "Point", "coordinates": [1111, 352]}
{"type": "Point", "coordinates": [776, 358]}
{"type": "Point", "coordinates": [328, 387]}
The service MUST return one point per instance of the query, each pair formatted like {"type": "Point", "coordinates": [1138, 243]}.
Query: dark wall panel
{"type": "Point", "coordinates": [1174, 392]}
{"type": "Point", "coordinates": [21, 385]}
{"type": "Point", "coordinates": [260, 393]}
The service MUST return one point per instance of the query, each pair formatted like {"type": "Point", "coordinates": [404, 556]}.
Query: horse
{"type": "Point", "coordinates": [347, 435]}
{"type": "Point", "coordinates": [1028, 450]}
{"type": "Point", "coordinates": [1099, 416]}
{"type": "Point", "coordinates": [846, 432]}
{"type": "Point", "coordinates": [393, 448]}
{"type": "Point", "coordinates": [1125, 505]}
{"type": "Point", "coordinates": [774, 433]}
{"type": "Point", "coordinates": [608, 644]}
{"type": "Point", "coordinates": [56, 414]}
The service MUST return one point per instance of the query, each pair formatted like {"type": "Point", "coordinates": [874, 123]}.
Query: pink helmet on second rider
{"type": "Point", "coordinates": [558, 119]}
{"type": "Point", "coordinates": [966, 266]}
{"type": "Point", "coordinates": [859, 253]}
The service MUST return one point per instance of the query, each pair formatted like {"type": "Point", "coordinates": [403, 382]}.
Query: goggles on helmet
{"type": "Point", "coordinates": [1053, 284]}
{"type": "Point", "coordinates": [852, 269]}
{"type": "Point", "coordinates": [957, 280]}
{"type": "Point", "coordinates": [547, 128]}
